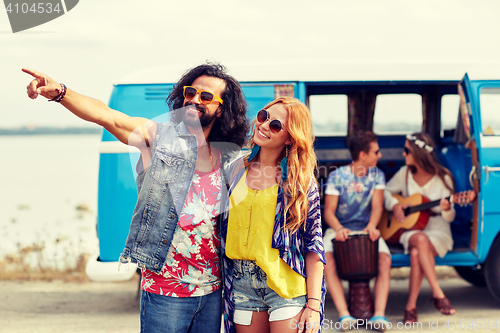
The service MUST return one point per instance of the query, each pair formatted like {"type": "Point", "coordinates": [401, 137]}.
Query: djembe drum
{"type": "Point", "coordinates": [357, 262]}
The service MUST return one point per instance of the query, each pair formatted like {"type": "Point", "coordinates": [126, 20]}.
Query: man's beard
{"type": "Point", "coordinates": [202, 120]}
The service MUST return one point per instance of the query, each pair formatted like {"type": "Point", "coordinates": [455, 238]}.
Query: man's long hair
{"type": "Point", "coordinates": [232, 126]}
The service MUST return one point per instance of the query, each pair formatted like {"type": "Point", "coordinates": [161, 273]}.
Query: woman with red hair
{"type": "Point", "coordinates": [271, 230]}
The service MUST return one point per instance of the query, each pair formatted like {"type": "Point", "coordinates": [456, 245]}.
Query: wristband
{"type": "Point", "coordinates": [310, 308]}
{"type": "Point", "coordinates": [314, 299]}
{"type": "Point", "coordinates": [61, 95]}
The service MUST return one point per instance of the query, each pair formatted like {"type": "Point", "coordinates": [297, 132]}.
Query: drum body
{"type": "Point", "coordinates": [357, 261]}
{"type": "Point", "coordinates": [356, 258]}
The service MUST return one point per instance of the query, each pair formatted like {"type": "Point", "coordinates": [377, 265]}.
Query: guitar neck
{"type": "Point", "coordinates": [424, 206]}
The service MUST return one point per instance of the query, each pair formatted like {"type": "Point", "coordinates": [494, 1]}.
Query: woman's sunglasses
{"type": "Point", "coordinates": [206, 97]}
{"type": "Point", "coordinates": [407, 151]}
{"type": "Point", "coordinates": [275, 125]}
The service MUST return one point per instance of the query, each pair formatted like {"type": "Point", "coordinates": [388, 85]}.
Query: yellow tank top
{"type": "Point", "coordinates": [250, 234]}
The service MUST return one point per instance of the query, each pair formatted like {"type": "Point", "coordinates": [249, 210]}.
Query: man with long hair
{"type": "Point", "coordinates": [173, 236]}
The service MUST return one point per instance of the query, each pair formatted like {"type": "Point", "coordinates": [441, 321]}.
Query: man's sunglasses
{"type": "Point", "coordinates": [206, 97]}
{"type": "Point", "coordinates": [275, 125]}
{"type": "Point", "coordinates": [407, 151]}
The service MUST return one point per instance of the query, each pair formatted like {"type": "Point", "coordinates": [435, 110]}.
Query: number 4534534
{"type": "Point", "coordinates": [473, 324]}
{"type": "Point", "coordinates": [37, 8]}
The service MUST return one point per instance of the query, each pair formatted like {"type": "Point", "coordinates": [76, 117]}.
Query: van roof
{"type": "Point", "coordinates": [311, 72]}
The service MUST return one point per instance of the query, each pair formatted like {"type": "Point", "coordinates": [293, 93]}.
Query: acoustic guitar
{"type": "Point", "coordinates": [417, 214]}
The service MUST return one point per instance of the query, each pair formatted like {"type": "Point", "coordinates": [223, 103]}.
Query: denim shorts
{"type": "Point", "coordinates": [251, 293]}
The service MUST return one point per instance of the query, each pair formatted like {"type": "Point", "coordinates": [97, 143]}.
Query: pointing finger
{"type": "Point", "coordinates": [32, 73]}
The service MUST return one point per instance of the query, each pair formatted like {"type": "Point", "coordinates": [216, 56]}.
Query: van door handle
{"type": "Point", "coordinates": [488, 169]}
{"type": "Point", "coordinates": [471, 174]}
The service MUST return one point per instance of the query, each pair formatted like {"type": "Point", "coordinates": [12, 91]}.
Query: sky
{"type": "Point", "coordinates": [103, 42]}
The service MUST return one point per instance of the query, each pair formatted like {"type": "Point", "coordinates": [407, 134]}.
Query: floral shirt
{"type": "Point", "coordinates": [193, 265]}
{"type": "Point", "coordinates": [355, 195]}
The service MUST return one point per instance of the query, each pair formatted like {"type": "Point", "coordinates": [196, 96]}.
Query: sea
{"type": "Point", "coordinates": [48, 199]}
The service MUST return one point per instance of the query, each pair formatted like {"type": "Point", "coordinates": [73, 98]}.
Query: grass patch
{"type": "Point", "coordinates": [29, 264]}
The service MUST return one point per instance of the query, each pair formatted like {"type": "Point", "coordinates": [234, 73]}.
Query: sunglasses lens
{"type": "Point", "coordinates": [189, 92]}
{"type": "Point", "coordinates": [206, 97]}
{"type": "Point", "coordinates": [275, 126]}
{"type": "Point", "coordinates": [262, 116]}
{"type": "Point", "coordinates": [407, 151]}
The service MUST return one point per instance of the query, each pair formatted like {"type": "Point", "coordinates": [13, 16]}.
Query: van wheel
{"type": "Point", "coordinates": [471, 275]}
{"type": "Point", "coordinates": [492, 270]}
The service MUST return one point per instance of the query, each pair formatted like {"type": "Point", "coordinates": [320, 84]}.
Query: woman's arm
{"type": "Point", "coordinates": [314, 258]}
{"type": "Point", "coordinates": [447, 208]}
{"type": "Point", "coordinates": [310, 319]}
{"type": "Point", "coordinates": [394, 186]}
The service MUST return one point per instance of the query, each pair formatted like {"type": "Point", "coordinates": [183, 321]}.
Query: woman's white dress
{"type": "Point", "coordinates": [438, 228]}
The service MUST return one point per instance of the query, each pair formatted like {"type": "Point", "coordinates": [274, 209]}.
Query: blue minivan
{"type": "Point", "coordinates": [462, 116]}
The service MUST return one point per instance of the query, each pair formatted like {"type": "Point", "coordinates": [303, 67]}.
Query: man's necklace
{"type": "Point", "coordinates": [210, 153]}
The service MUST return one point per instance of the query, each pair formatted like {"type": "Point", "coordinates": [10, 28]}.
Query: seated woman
{"type": "Point", "coordinates": [271, 228]}
{"type": "Point", "coordinates": [423, 174]}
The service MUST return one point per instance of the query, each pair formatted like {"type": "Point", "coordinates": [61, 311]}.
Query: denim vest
{"type": "Point", "coordinates": [162, 190]}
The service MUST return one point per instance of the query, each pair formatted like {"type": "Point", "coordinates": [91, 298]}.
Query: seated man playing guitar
{"type": "Point", "coordinates": [425, 175]}
{"type": "Point", "coordinates": [354, 201]}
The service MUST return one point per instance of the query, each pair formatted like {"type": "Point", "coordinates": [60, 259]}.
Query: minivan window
{"type": "Point", "coordinates": [398, 114]}
{"type": "Point", "coordinates": [329, 114]}
{"type": "Point", "coordinates": [490, 111]}
{"type": "Point", "coordinates": [450, 106]}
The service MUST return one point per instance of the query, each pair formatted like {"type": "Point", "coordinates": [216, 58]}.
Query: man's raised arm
{"type": "Point", "coordinates": [133, 131]}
